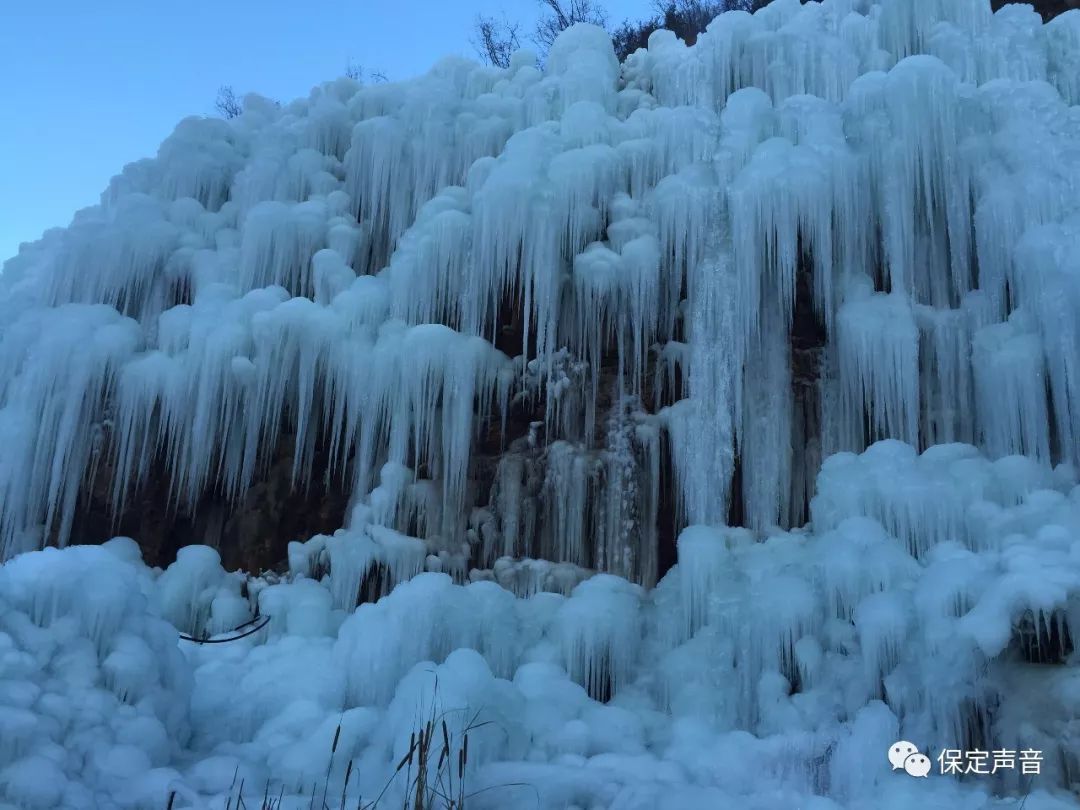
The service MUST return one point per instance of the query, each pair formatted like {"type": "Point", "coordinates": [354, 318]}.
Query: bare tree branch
{"type": "Point", "coordinates": [355, 71]}
{"type": "Point", "coordinates": [227, 104]}
{"type": "Point", "coordinates": [495, 40]}
{"type": "Point", "coordinates": [685, 18]}
{"type": "Point", "coordinates": [561, 14]}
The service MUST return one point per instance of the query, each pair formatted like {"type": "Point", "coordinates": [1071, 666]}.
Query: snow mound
{"type": "Point", "coordinates": [94, 692]}
{"type": "Point", "coordinates": [755, 673]}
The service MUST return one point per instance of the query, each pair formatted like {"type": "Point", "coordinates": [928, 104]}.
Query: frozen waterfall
{"type": "Point", "coordinates": [709, 421]}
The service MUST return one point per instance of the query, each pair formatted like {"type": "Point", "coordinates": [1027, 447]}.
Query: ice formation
{"type": "Point", "coordinates": [803, 295]}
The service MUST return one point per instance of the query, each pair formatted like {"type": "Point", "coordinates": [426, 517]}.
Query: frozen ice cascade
{"type": "Point", "coordinates": [707, 423]}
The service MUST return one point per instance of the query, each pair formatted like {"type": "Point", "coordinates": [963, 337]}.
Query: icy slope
{"type": "Point", "coordinates": [533, 324]}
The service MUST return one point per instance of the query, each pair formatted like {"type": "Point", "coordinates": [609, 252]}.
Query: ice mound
{"type": "Point", "coordinates": [94, 692]}
{"type": "Point", "coordinates": [755, 673]}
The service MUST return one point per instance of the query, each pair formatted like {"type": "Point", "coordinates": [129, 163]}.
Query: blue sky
{"type": "Point", "coordinates": [88, 87]}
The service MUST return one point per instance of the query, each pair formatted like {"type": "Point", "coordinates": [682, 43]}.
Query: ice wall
{"type": "Point", "coordinates": [598, 265]}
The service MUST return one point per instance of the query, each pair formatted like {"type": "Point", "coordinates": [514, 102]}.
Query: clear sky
{"type": "Point", "coordinates": [86, 87]}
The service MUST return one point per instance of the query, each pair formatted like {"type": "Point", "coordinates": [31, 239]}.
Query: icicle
{"type": "Point", "coordinates": [1049, 288]}
{"type": "Point", "coordinates": [627, 543]}
{"type": "Point", "coordinates": [1010, 386]}
{"type": "Point", "coordinates": [703, 554]}
{"type": "Point", "coordinates": [351, 556]}
{"type": "Point", "coordinates": [428, 268]}
{"type": "Point", "coordinates": [528, 577]}
{"type": "Point", "coordinates": [702, 428]}
{"type": "Point", "coordinates": [783, 204]}
{"type": "Point", "coordinates": [57, 367]}
{"type": "Point", "coordinates": [515, 253]}
{"type": "Point", "coordinates": [1008, 47]}
{"type": "Point", "coordinates": [374, 164]}
{"type": "Point", "coordinates": [680, 205]}
{"type": "Point", "coordinates": [128, 246]}
{"type": "Point", "coordinates": [186, 588]}
{"type": "Point", "coordinates": [402, 555]}
{"type": "Point", "coordinates": [909, 121]}
{"type": "Point", "coordinates": [765, 446]}
{"type": "Point", "coordinates": [946, 385]}
{"type": "Point", "coordinates": [670, 367]}
{"type": "Point", "coordinates": [583, 63]}
{"type": "Point", "coordinates": [878, 353]}
{"type": "Point", "coordinates": [508, 502]}
{"type": "Point", "coordinates": [882, 622]}
{"type": "Point", "coordinates": [858, 559]}
{"type": "Point", "coordinates": [647, 447]}
{"type": "Point", "coordinates": [1063, 44]}
{"type": "Point", "coordinates": [571, 482]}
{"type": "Point", "coordinates": [329, 127]}
{"type": "Point", "coordinates": [920, 500]}
{"type": "Point", "coordinates": [905, 25]}
{"type": "Point", "coordinates": [767, 644]}
{"type": "Point", "coordinates": [598, 631]}
{"type": "Point", "coordinates": [330, 275]}
{"type": "Point", "coordinates": [677, 74]}
{"type": "Point", "coordinates": [278, 243]}
{"type": "Point", "coordinates": [199, 160]}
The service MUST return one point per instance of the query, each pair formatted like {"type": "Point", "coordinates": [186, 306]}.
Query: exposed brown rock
{"type": "Point", "coordinates": [251, 534]}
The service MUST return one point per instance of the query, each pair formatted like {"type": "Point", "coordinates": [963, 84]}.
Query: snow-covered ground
{"type": "Point", "coordinates": [770, 674]}
{"type": "Point", "coordinates": [334, 270]}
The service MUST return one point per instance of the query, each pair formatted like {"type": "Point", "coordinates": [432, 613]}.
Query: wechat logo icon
{"type": "Point", "coordinates": [905, 756]}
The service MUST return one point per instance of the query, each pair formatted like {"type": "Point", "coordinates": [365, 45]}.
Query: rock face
{"type": "Point", "coordinates": [251, 533]}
